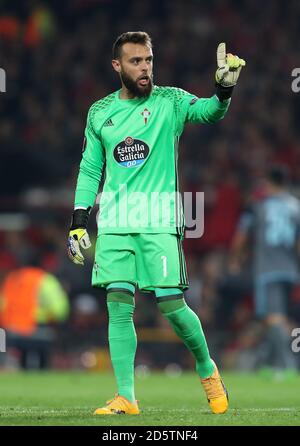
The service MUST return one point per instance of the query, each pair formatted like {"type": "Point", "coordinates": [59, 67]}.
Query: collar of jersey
{"type": "Point", "coordinates": [129, 101]}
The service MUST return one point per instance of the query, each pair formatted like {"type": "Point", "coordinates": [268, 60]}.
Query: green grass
{"type": "Point", "coordinates": [70, 398]}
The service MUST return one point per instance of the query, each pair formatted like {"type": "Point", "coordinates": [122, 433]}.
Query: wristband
{"type": "Point", "coordinates": [80, 218]}
{"type": "Point", "coordinates": [223, 93]}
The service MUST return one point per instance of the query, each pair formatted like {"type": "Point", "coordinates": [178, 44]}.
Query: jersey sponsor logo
{"type": "Point", "coordinates": [131, 152]}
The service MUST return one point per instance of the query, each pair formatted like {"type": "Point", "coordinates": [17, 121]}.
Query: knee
{"type": "Point", "coordinates": [120, 292]}
{"type": "Point", "coordinates": [170, 307]}
{"type": "Point", "coordinates": [120, 302]}
{"type": "Point", "coordinates": [169, 300]}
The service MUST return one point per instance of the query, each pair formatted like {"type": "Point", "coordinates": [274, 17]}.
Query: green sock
{"type": "Point", "coordinates": [187, 326]}
{"type": "Point", "coordinates": [122, 341]}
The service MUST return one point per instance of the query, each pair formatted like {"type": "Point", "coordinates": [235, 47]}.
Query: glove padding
{"type": "Point", "coordinates": [78, 238]}
{"type": "Point", "coordinates": [229, 67]}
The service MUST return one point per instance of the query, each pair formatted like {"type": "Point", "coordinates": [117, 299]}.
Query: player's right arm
{"type": "Point", "coordinates": [90, 172]}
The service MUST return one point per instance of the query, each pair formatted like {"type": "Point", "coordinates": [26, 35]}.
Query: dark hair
{"type": "Point", "coordinates": [278, 175]}
{"type": "Point", "coordinates": [130, 37]}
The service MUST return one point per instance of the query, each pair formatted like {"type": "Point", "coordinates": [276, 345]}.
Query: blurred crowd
{"type": "Point", "coordinates": [57, 60]}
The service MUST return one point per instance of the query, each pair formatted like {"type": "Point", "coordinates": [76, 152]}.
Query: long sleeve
{"type": "Point", "coordinates": [190, 108]}
{"type": "Point", "coordinates": [91, 167]}
{"type": "Point", "coordinates": [207, 110]}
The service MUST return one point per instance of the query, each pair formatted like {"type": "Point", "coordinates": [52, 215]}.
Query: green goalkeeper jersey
{"type": "Point", "coordinates": [135, 143]}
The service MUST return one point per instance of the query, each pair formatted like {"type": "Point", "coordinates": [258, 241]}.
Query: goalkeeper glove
{"type": "Point", "coordinates": [78, 236]}
{"type": "Point", "coordinates": [229, 67]}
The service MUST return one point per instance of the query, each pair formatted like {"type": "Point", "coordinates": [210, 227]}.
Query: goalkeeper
{"type": "Point", "coordinates": [133, 135]}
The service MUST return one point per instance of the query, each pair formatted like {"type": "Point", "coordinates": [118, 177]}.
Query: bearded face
{"type": "Point", "coordinates": [135, 67]}
{"type": "Point", "coordinates": [140, 87]}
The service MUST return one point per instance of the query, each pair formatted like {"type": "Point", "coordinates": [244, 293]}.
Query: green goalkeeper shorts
{"type": "Point", "coordinates": [146, 260]}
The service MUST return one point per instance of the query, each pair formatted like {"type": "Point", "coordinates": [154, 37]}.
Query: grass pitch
{"type": "Point", "coordinates": [68, 399]}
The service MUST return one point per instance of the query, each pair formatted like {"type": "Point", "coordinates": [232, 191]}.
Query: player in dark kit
{"type": "Point", "coordinates": [273, 224]}
{"type": "Point", "coordinates": [135, 132]}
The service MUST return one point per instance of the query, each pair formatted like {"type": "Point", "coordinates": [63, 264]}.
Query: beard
{"type": "Point", "coordinates": [135, 89]}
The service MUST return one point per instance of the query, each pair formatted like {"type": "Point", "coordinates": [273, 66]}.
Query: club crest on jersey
{"type": "Point", "coordinates": [131, 152]}
{"type": "Point", "coordinates": [146, 115]}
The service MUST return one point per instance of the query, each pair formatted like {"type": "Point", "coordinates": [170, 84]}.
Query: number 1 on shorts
{"type": "Point", "coordinates": [164, 260]}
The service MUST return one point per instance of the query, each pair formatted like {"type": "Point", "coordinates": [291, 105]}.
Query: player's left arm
{"type": "Point", "coordinates": [210, 110]}
{"type": "Point", "coordinates": [236, 255]}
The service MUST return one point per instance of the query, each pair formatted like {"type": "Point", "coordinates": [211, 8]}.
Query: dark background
{"type": "Point", "coordinates": [56, 55]}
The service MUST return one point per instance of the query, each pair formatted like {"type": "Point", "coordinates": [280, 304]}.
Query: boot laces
{"type": "Point", "coordinates": [213, 386]}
